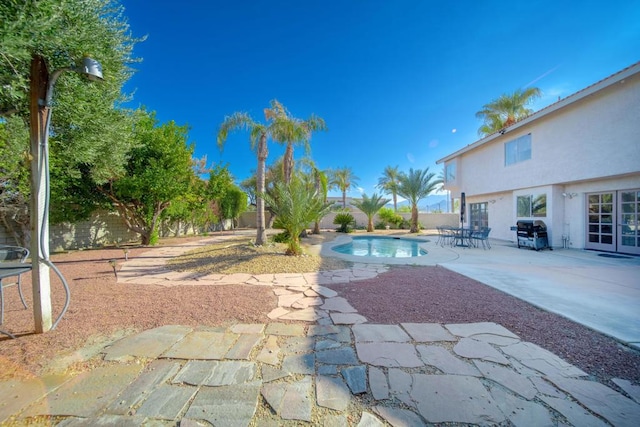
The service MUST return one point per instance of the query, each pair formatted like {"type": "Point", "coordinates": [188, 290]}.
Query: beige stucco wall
{"type": "Point", "coordinates": [428, 220]}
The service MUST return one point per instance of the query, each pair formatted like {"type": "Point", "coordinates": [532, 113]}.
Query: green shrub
{"type": "Point", "coordinates": [388, 216]}
{"type": "Point", "coordinates": [345, 221]}
{"type": "Point", "coordinates": [281, 237]}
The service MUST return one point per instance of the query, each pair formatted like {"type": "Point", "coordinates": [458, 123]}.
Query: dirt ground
{"type": "Point", "coordinates": [102, 310]}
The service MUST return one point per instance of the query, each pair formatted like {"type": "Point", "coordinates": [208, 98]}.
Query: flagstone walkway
{"type": "Point", "coordinates": [329, 368]}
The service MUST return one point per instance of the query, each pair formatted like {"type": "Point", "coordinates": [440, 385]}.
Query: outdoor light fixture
{"type": "Point", "coordinates": [42, 85]}
{"type": "Point", "coordinates": [569, 195]}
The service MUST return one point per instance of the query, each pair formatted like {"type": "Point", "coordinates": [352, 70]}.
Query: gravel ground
{"type": "Point", "coordinates": [101, 309]}
{"type": "Point", "coordinates": [435, 294]}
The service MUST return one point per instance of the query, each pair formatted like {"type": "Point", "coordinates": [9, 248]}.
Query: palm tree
{"type": "Point", "coordinates": [320, 180]}
{"type": "Point", "coordinates": [506, 110]}
{"type": "Point", "coordinates": [295, 207]}
{"type": "Point", "coordinates": [291, 131]}
{"type": "Point", "coordinates": [389, 183]}
{"type": "Point", "coordinates": [414, 186]}
{"type": "Point", "coordinates": [370, 207]}
{"type": "Point", "coordinates": [258, 134]}
{"type": "Point", "coordinates": [343, 178]}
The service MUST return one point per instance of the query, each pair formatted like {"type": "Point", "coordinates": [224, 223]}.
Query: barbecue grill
{"type": "Point", "coordinates": [532, 234]}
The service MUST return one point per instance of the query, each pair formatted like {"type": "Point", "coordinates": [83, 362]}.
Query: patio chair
{"type": "Point", "coordinates": [12, 254]}
{"type": "Point", "coordinates": [481, 236]}
{"type": "Point", "coordinates": [444, 235]}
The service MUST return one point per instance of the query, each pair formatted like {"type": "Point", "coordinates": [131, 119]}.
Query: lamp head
{"type": "Point", "coordinates": [91, 68]}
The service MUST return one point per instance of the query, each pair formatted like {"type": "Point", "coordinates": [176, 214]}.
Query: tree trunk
{"type": "Point", "coordinates": [287, 164]}
{"type": "Point", "coordinates": [344, 199]}
{"type": "Point", "coordinates": [395, 202]}
{"type": "Point", "coordinates": [414, 219]}
{"type": "Point", "coordinates": [370, 225]}
{"type": "Point", "coordinates": [261, 232]}
{"type": "Point", "coordinates": [316, 228]}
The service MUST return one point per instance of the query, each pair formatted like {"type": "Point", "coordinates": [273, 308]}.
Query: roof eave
{"type": "Point", "coordinates": [581, 94]}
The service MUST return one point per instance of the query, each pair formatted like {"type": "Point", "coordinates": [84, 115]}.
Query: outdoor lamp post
{"type": "Point", "coordinates": [41, 95]}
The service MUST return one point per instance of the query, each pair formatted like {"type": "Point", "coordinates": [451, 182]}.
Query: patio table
{"type": "Point", "coordinates": [462, 237]}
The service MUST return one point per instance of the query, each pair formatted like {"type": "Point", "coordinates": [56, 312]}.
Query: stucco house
{"type": "Point", "coordinates": [575, 165]}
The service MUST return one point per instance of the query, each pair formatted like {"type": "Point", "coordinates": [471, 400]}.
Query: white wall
{"type": "Point", "coordinates": [590, 145]}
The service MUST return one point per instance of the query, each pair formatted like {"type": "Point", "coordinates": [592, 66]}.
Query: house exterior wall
{"type": "Point", "coordinates": [589, 145]}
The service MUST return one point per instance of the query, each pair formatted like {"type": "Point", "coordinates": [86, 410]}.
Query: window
{"type": "Point", "coordinates": [450, 172]}
{"type": "Point", "coordinates": [478, 216]}
{"type": "Point", "coordinates": [517, 150]}
{"type": "Point", "coordinates": [532, 206]}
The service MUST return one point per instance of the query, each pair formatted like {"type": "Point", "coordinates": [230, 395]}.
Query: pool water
{"type": "Point", "coordinates": [382, 247]}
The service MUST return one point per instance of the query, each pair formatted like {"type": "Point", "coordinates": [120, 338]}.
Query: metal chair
{"type": "Point", "coordinates": [12, 254]}
{"type": "Point", "coordinates": [481, 236]}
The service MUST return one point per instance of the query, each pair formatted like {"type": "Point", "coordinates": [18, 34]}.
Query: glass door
{"type": "Point", "coordinates": [629, 222]}
{"type": "Point", "coordinates": [600, 221]}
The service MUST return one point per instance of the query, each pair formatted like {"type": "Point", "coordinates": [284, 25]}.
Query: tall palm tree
{"type": "Point", "coordinates": [388, 182]}
{"type": "Point", "coordinates": [343, 178]}
{"type": "Point", "coordinates": [370, 206]}
{"type": "Point", "coordinates": [506, 110]}
{"type": "Point", "coordinates": [258, 134]}
{"type": "Point", "coordinates": [415, 186]}
{"type": "Point", "coordinates": [291, 131]}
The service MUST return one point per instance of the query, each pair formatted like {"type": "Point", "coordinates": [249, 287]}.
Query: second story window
{"type": "Point", "coordinates": [517, 150]}
{"type": "Point", "coordinates": [450, 172]}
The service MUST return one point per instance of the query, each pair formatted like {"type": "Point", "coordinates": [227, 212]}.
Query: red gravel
{"type": "Point", "coordinates": [437, 295]}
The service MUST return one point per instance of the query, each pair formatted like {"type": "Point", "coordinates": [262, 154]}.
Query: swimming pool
{"type": "Point", "coordinates": [382, 247]}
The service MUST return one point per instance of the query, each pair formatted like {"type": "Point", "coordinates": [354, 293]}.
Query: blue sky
{"type": "Point", "coordinates": [397, 82]}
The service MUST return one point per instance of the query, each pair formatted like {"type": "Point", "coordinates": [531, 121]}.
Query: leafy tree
{"type": "Point", "coordinates": [90, 136]}
{"type": "Point", "coordinates": [249, 187]}
{"type": "Point", "coordinates": [414, 186]}
{"type": "Point", "coordinates": [290, 131]}
{"type": "Point", "coordinates": [295, 207]}
{"type": "Point", "coordinates": [370, 206]}
{"type": "Point", "coordinates": [158, 172]}
{"type": "Point", "coordinates": [506, 110]}
{"type": "Point", "coordinates": [388, 182]}
{"type": "Point", "coordinates": [14, 180]}
{"type": "Point", "coordinates": [274, 128]}
{"type": "Point", "coordinates": [343, 178]}
{"type": "Point", "coordinates": [233, 203]}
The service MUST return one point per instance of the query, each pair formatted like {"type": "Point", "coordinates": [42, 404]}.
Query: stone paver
{"type": "Point", "coordinates": [379, 333]}
{"type": "Point", "coordinates": [151, 343]}
{"type": "Point", "coordinates": [454, 398]}
{"type": "Point", "coordinates": [474, 349]}
{"type": "Point", "coordinates": [202, 345]}
{"type": "Point", "coordinates": [231, 406]}
{"type": "Point", "coordinates": [428, 332]}
{"type": "Point", "coordinates": [389, 354]}
{"type": "Point", "coordinates": [88, 393]}
{"type": "Point", "coordinates": [442, 359]}
{"type": "Point", "coordinates": [332, 393]}
{"type": "Point", "coordinates": [536, 357]}
{"type": "Point", "coordinates": [600, 399]}
{"type": "Point", "coordinates": [315, 353]}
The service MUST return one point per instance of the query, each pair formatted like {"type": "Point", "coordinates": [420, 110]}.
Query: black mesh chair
{"type": "Point", "coordinates": [12, 254]}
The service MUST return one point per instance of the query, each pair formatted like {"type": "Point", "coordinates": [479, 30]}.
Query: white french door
{"type": "Point", "coordinates": [613, 221]}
